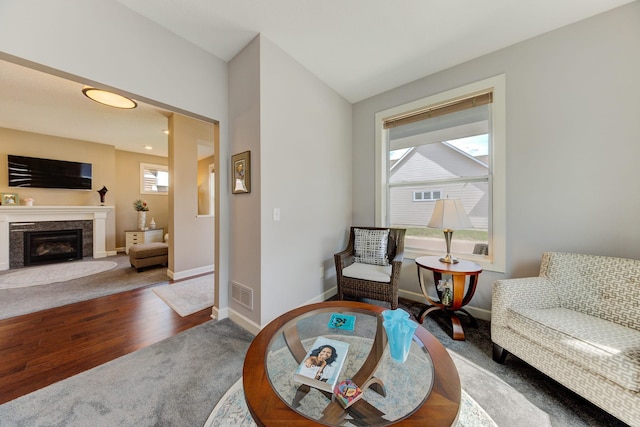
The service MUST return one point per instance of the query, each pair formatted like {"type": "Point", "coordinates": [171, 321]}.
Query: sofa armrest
{"type": "Point", "coordinates": [529, 292]}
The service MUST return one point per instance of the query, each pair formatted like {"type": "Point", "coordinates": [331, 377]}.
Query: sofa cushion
{"type": "Point", "coordinates": [370, 246]}
{"type": "Point", "coordinates": [375, 273]}
{"type": "Point", "coordinates": [598, 345]}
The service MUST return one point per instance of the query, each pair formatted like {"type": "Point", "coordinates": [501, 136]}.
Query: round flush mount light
{"type": "Point", "coordinates": [109, 98]}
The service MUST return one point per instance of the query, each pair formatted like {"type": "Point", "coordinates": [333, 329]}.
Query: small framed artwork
{"type": "Point", "coordinates": [241, 173]}
{"type": "Point", "coordinates": [9, 199]}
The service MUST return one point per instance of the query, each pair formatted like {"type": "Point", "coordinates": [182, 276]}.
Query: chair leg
{"type": "Point", "coordinates": [499, 354]}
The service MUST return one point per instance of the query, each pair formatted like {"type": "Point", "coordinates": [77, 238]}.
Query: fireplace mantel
{"type": "Point", "coordinates": [98, 214]}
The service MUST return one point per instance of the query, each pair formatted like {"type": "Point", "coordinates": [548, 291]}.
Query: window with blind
{"type": "Point", "coordinates": [154, 179]}
{"type": "Point", "coordinates": [445, 146]}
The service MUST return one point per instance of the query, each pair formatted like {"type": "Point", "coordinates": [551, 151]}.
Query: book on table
{"type": "Point", "coordinates": [347, 393]}
{"type": "Point", "coordinates": [322, 364]}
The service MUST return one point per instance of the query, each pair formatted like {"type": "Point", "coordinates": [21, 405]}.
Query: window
{"type": "Point", "coordinates": [154, 179]}
{"type": "Point", "coordinates": [449, 145]}
{"type": "Point", "coordinates": [426, 196]}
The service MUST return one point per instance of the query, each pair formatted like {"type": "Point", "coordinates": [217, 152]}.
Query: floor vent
{"type": "Point", "coordinates": [242, 294]}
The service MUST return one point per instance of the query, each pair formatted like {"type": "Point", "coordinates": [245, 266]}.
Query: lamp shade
{"type": "Point", "coordinates": [449, 214]}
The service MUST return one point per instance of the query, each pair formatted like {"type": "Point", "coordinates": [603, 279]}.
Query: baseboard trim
{"type": "Point", "coordinates": [190, 273]}
{"type": "Point", "coordinates": [219, 314]}
{"type": "Point", "coordinates": [254, 328]}
{"type": "Point", "coordinates": [244, 322]}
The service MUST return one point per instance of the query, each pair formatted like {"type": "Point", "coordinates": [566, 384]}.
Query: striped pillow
{"type": "Point", "coordinates": [371, 246]}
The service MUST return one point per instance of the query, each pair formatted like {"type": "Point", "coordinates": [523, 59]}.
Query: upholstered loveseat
{"type": "Point", "coordinates": [579, 323]}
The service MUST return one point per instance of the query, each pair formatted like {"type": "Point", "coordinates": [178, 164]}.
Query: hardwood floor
{"type": "Point", "coordinates": [42, 348]}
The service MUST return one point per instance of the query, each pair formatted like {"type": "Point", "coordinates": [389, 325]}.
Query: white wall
{"type": "Point", "coordinates": [299, 134]}
{"type": "Point", "coordinates": [305, 172]}
{"type": "Point", "coordinates": [192, 238]}
{"type": "Point", "coordinates": [244, 133]}
{"type": "Point", "coordinates": [572, 142]}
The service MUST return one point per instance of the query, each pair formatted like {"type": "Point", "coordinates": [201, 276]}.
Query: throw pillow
{"type": "Point", "coordinates": [371, 246]}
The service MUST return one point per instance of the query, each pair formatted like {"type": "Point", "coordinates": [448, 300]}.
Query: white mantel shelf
{"type": "Point", "coordinates": [97, 214]}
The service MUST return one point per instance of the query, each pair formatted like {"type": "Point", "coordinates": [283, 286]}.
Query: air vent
{"type": "Point", "coordinates": [242, 294]}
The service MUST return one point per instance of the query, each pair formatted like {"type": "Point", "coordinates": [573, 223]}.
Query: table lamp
{"type": "Point", "coordinates": [449, 214]}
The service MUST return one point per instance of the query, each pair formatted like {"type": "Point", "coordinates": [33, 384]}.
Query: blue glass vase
{"type": "Point", "coordinates": [400, 330]}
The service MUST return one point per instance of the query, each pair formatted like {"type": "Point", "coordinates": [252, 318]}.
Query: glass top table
{"type": "Point", "coordinates": [425, 387]}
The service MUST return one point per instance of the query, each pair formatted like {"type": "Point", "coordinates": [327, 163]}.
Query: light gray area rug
{"type": "Point", "coordinates": [498, 396]}
{"type": "Point", "coordinates": [188, 296]}
{"type": "Point", "coordinates": [19, 301]}
{"type": "Point", "coordinates": [175, 382]}
{"type": "Point", "coordinates": [52, 273]}
{"type": "Point", "coordinates": [232, 411]}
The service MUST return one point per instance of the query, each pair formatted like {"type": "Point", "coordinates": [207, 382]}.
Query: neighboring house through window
{"type": "Point", "coordinates": [449, 145]}
{"type": "Point", "coordinates": [424, 196]}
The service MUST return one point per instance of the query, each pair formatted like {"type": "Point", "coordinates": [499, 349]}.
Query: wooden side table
{"type": "Point", "coordinates": [459, 272]}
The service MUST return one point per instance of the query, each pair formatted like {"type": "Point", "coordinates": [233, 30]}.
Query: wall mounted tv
{"type": "Point", "coordinates": [46, 173]}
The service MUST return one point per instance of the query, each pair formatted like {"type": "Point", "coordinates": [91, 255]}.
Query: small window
{"type": "Point", "coordinates": [426, 196]}
{"type": "Point", "coordinates": [154, 179]}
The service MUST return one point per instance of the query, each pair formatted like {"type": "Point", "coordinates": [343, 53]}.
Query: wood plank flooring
{"type": "Point", "coordinates": [42, 348]}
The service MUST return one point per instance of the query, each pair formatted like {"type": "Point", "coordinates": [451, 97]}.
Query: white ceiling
{"type": "Point", "coordinates": [364, 47]}
{"type": "Point", "coordinates": [358, 47]}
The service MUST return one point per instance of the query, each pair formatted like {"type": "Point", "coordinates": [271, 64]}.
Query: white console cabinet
{"type": "Point", "coordinates": [142, 236]}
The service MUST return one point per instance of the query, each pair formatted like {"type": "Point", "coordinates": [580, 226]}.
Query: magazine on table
{"type": "Point", "coordinates": [321, 366]}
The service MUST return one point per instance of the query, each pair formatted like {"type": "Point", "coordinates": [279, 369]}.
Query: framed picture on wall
{"type": "Point", "coordinates": [241, 173]}
{"type": "Point", "coordinates": [9, 199]}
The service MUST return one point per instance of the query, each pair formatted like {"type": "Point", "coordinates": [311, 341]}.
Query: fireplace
{"type": "Point", "coordinates": [52, 246]}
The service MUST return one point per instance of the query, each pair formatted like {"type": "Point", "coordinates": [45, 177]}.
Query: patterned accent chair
{"type": "Point", "coordinates": [579, 323]}
{"type": "Point", "coordinates": [369, 267]}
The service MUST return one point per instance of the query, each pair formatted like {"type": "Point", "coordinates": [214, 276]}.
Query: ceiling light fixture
{"type": "Point", "coordinates": [109, 98]}
{"type": "Point", "coordinates": [148, 147]}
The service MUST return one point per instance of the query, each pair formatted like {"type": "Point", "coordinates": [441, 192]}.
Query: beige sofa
{"type": "Point", "coordinates": [579, 323]}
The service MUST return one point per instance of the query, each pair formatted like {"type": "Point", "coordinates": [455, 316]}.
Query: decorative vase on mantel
{"type": "Point", "coordinates": [142, 220]}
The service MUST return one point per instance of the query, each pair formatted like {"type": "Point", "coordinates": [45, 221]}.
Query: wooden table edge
{"type": "Point", "coordinates": [440, 408]}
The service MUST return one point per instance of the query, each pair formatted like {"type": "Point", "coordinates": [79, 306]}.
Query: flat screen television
{"type": "Point", "coordinates": [46, 173]}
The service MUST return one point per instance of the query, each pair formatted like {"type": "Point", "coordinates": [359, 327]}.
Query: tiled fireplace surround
{"type": "Point", "coordinates": [14, 220]}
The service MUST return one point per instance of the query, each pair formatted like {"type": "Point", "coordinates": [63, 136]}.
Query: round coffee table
{"type": "Point", "coordinates": [425, 388]}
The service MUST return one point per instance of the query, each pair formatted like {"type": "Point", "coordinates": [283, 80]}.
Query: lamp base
{"type": "Point", "coordinates": [449, 259]}
{"type": "Point", "coordinates": [447, 239]}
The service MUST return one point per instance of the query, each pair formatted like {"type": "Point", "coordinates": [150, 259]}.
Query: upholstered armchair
{"type": "Point", "coordinates": [369, 267]}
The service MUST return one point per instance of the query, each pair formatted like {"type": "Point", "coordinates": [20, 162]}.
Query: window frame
{"type": "Point", "coordinates": [496, 260]}
{"type": "Point", "coordinates": [151, 166]}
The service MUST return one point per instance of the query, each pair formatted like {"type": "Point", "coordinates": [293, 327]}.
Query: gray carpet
{"type": "Point", "coordinates": [176, 382]}
{"type": "Point", "coordinates": [16, 302]}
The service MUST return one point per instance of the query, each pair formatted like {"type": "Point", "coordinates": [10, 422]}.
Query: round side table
{"type": "Point", "coordinates": [459, 273]}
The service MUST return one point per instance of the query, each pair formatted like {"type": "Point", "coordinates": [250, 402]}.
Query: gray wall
{"type": "Point", "coordinates": [299, 133]}
{"type": "Point", "coordinates": [572, 142]}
